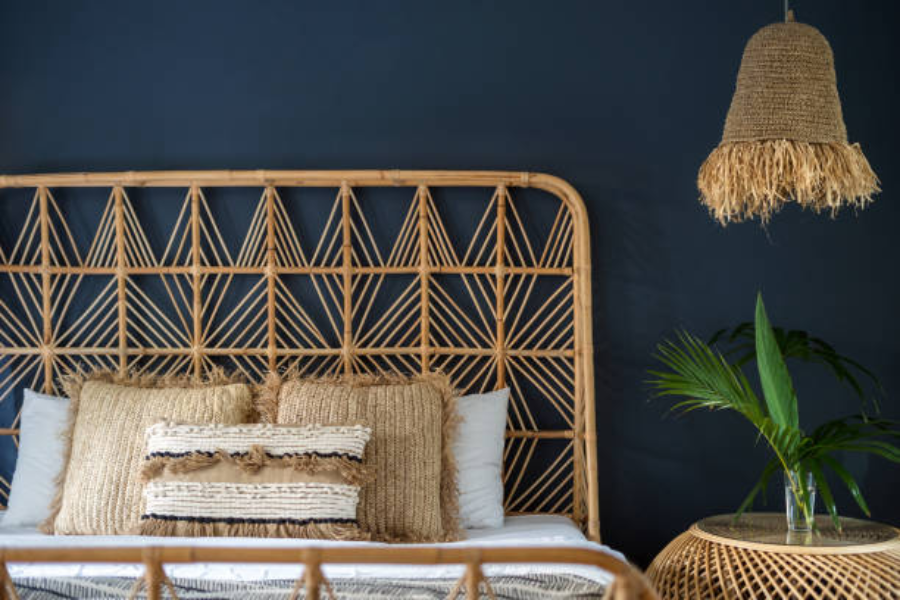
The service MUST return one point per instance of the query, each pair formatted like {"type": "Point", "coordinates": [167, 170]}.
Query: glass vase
{"type": "Point", "coordinates": [800, 511]}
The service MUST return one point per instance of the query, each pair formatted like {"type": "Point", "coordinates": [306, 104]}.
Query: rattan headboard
{"type": "Point", "coordinates": [502, 303]}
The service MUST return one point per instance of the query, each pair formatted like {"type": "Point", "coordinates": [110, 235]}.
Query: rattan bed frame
{"type": "Point", "coordinates": [543, 353]}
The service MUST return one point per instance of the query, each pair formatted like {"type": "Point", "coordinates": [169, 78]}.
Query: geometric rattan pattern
{"type": "Point", "coordinates": [424, 300]}
{"type": "Point", "coordinates": [698, 564]}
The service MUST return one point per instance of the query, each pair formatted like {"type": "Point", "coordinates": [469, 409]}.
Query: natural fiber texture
{"type": "Point", "coordinates": [312, 531]}
{"type": "Point", "coordinates": [701, 564]}
{"type": "Point", "coordinates": [215, 508]}
{"type": "Point", "coordinates": [278, 440]}
{"type": "Point", "coordinates": [785, 138]}
{"type": "Point", "coordinates": [786, 89]}
{"type": "Point", "coordinates": [349, 470]}
{"type": "Point", "coordinates": [260, 479]}
{"type": "Point", "coordinates": [742, 180]}
{"type": "Point", "coordinates": [265, 396]}
{"type": "Point", "coordinates": [414, 497]}
{"type": "Point", "coordinates": [98, 489]}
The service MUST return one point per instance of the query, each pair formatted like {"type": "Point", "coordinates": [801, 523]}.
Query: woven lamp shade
{"type": "Point", "coordinates": [785, 138]}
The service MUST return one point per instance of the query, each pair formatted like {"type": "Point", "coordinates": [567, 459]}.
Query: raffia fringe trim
{"type": "Point", "coordinates": [742, 180]}
{"type": "Point", "coordinates": [450, 472]}
{"type": "Point", "coordinates": [352, 471]}
{"type": "Point", "coordinates": [315, 531]}
{"type": "Point", "coordinates": [266, 399]}
{"type": "Point", "coordinates": [72, 383]}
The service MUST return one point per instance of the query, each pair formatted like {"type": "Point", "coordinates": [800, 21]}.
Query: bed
{"type": "Point", "coordinates": [267, 580]}
{"type": "Point", "coordinates": [503, 300]}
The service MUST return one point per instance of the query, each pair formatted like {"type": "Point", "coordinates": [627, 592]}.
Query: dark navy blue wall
{"type": "Point", "coordinates": [623, 99]}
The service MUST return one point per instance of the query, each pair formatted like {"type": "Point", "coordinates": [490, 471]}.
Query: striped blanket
{"type": "Point", "coordinates": [545, 586]}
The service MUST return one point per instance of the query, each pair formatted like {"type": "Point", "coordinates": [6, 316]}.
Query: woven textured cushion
{"type": "Point", "coordinates": [100, 491]}
{"type": "Point", "coordinates": [414, 496]}
{"type": "Point", "coordinates": [254, 480]}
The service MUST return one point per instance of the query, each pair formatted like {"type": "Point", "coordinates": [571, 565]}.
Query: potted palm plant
{"type": "Point", "coordinates": [703, 377]}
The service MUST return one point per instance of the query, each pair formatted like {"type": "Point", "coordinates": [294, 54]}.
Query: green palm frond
{"type": "Point", "coordinates": [825, 491]}
{"type": "Point", "coordinates": [700, 376]}
{"type": "Point", "coordinates": [848, 480]}
{"type": "Point", "coordinates": [777, 386]}
{"type": "Point", "coordinates": [856, 433]}
{"type": "Point", "coordinates": [739, 346]}
{"type": "Point", "coordinates": [703, 377]}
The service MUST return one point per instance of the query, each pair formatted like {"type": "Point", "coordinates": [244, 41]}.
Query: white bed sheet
{"type": "Point", "coordinates": [525, 531]}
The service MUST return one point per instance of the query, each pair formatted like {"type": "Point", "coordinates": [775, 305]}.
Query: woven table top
{"type": "Point", "coordinates": [764, 530]}
{"type": "Point", "coordinates": [757, 558]}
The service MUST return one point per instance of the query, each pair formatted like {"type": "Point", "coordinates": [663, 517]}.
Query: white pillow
{"type": "Point", "coordinates": [479, 458]}
{"type": "Point", "coordinates": [40, 459]}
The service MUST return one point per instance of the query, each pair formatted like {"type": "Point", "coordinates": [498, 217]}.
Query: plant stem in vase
{"type": "Point", "coordinates": [800, 501]}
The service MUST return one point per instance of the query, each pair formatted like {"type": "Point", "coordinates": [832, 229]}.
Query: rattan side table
{"type": "Point", "coordinates": [758, 558]}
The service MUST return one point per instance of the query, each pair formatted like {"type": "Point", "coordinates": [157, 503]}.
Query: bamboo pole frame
{"type": "Point", "coordinates": [549, 349]}
{"type": "Point", "coordinates": [197, 284]}
{"type": "Point", "coordinates": [425, 284]}
{"type": "Point", "coordinates": [271, 322]}
{"type": "Point", "coordinates": [46, 303]}
{"type": "Point", "coordinates": [121, 279]}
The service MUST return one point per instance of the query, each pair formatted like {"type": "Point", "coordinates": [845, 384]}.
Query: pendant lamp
{"type": "Point", "coordinates": [785, 138]}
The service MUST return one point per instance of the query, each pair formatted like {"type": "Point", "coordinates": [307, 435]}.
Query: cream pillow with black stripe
{"type": "Point", "coordinates": [254, 480]}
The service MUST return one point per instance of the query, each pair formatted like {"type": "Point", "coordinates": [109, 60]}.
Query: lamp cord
{"type": "Point", "coordinates": [788, 12]}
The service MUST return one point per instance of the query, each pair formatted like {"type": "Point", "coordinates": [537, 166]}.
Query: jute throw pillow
{"type": "Point", "coordinates": [254, 480]}
{"type": "Point", "coordinates": [414, 496]}
{"type": "Point", "coordinates": [99, 491]}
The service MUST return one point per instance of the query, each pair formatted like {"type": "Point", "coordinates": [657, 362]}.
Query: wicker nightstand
{"type": "Point", "coordinates": [756, 558]}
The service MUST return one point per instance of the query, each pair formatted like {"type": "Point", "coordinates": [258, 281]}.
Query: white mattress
{"type": "Point", "coordinates": [525, 531]}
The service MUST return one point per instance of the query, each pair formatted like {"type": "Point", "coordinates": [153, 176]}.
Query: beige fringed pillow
{"type": "Point", "coordinates": [414, 497]}
{"type": "Point", "coordinates": [254, 480]}
{"type": "Point", "coordinates": [99, 491]}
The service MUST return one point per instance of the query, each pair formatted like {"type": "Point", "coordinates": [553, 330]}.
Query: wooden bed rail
{"type": "Point", "coordinates": [629, 583]}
